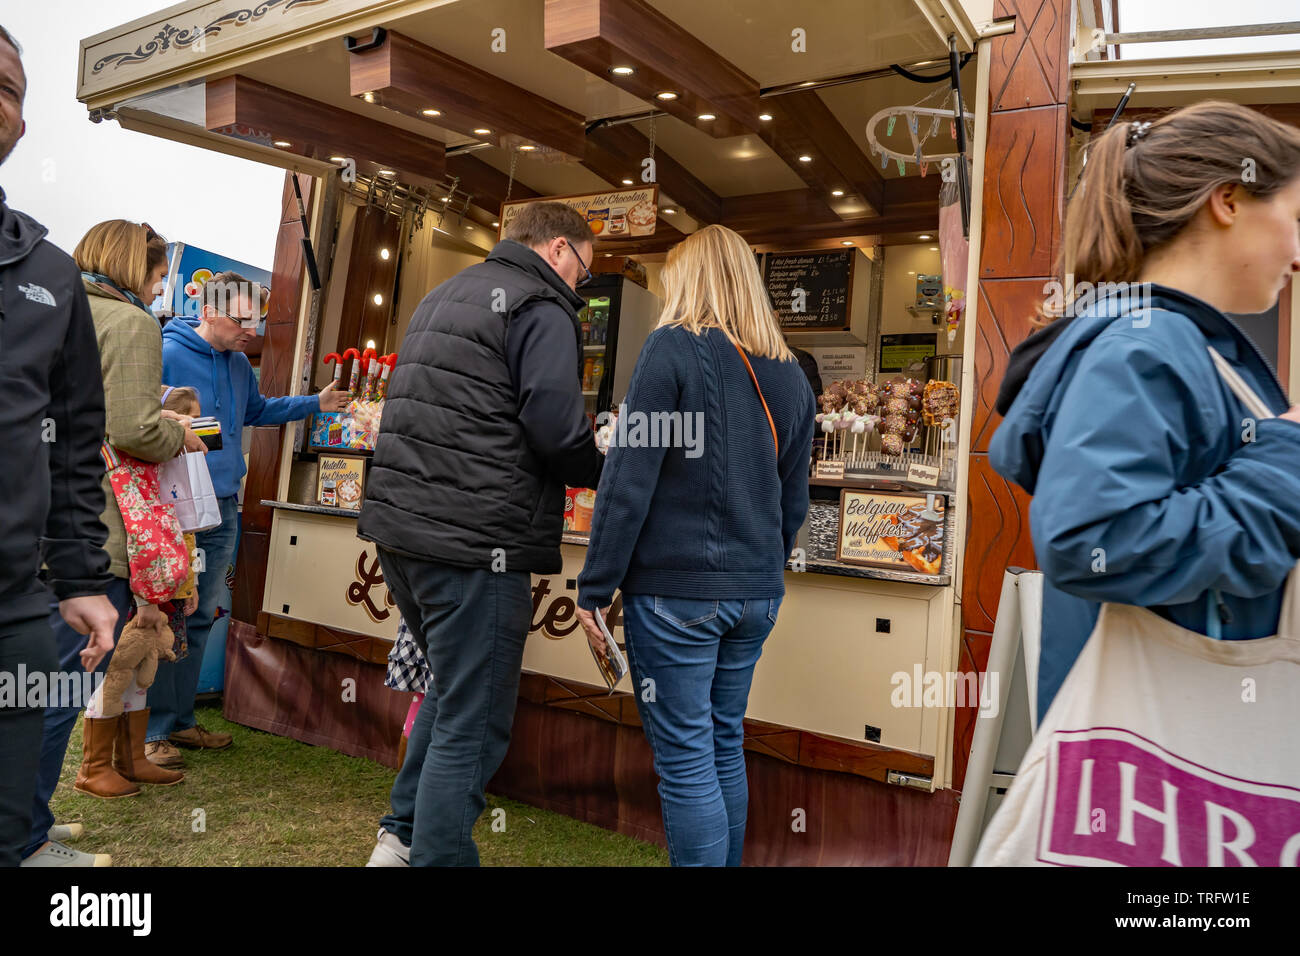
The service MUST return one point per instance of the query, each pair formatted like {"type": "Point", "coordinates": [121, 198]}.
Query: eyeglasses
{"type": "Point", "coordinates": [247, 323]}
{"type": "Point", "coordinates": [586, 277]}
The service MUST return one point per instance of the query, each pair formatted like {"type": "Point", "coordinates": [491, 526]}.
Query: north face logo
{"type": "Point", "coordinates": [37, 294]}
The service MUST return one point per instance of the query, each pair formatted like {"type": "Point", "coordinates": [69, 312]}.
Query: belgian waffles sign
{"type": "Point", "coordinates": [902, 532]}
{"type": "Point", "coordinates": [1114, 797]}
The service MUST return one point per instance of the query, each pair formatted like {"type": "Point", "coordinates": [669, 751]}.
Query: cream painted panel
{"type": "Point", "coordinates": [315, 576]}
{"type": "Point", "coordinates": [823, 668]}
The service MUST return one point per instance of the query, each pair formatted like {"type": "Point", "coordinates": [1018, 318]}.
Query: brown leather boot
{"type": "Point", "coordinates": [130, 760]}
{"type": "Point", "coordinates": [97, 776]}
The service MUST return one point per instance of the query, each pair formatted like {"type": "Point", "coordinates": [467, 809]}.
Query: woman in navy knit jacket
{"type": "Point", "coordinates": [704, 489]}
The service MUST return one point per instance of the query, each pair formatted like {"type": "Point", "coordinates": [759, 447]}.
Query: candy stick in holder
{"type": "Point", "coordinates": [374, 363]}
{"type": "Point", "coordinates": [338, 366]}
{"type": "Point", "coordinates": [381, 389]}
{"type": "Point", "coordinates": [355, 375]}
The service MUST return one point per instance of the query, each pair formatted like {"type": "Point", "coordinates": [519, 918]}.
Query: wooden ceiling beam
{"type": "Point", "coordinates": [615, 153]}
{"type": "Point", "coordinates": [803, 125]}
{"type": "Point", "coordinates": [255, 112]}
{"type": "Point", "coordinates": [757, 210]}
{"type": "Point", "coordinates": [405, 75]}
{"type": "Point", "coordinates": [599, 35]}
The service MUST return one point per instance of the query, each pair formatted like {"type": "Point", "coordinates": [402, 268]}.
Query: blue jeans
{"type": "Point", "coordinates": [471, 625]}
{"type": "Point", "coordinates": [59, 720]}
{"type": "Point", "coordinates": [171, 698]}
{"type": "Point", "coordinates": [700, 656]}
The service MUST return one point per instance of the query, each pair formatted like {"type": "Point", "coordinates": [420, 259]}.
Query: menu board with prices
{"type": "Point", "coordinates": [811, 290]}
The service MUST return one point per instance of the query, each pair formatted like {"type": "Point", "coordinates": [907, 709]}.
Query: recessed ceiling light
{"type": "Point", "coordinates": [528, 147]}
{"type": "Point", "coordinates": [482, 132]}
{"type": "Point", "coordinates": [668, 211]}
{"type": "Point", "coordinates": [283, 143]}
{"type": "Point", "coordinates": [496, 225]}
{"type": "Point", "coordinates": [608, 254]}
{"type": "Point", "coordinates": [384, 254]}
{"type": "Point", "coordinates": [805, 158]}
{"type": "Point", "coordinates": [927, 237]}
{"type": "Point", "coordinates": [667, 95]}
{"type": "Point", "coordinates": [627, 182]}
{"type": "Point", "coordinates": [706, 117]}
{"type": "Point", "coordinates": [934, 248]}
{"type": "Point", "coordinates": [837, 192]}
{"type": "Point", "coordinates": [338, 159]}
{"type": "Point", "coordinates": [368, 97]}
{"type": "Point", "coordinates": [431, 112]}
{"type": "Point", "coordinates": [623, 70]}
{"type": "Point", "coordinates": [379, 300]}
{"type": "Point", "coordinates": [765, 117]}
{"type": "Point", "coordinates": [446, 199]}
{"type": "Point", "coordinates": [846, 242]}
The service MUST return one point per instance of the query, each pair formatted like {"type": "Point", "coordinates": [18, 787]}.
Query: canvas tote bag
{"type": "Point", "coordinates": [186, 485]}
{"type": "Point", "coordinates": [1164, 747]}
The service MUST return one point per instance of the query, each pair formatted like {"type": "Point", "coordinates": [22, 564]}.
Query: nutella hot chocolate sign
{"type": "Point", "coordinates": [1114, 797]}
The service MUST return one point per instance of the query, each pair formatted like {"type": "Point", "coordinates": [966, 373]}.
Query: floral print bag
{"type": "Point", "coordinates": [155, 547]}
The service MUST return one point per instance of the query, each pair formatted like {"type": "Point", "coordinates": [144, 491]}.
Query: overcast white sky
{"type": "Point", "coordinates": [70, 173]}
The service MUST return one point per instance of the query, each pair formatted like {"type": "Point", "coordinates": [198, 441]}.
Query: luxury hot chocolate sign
{"type": "Point", "coordinates": [902, 532]}
{"type": "Point", "coordinates": [622, 214]}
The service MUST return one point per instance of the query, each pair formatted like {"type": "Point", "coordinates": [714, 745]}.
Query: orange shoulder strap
{"type": "Point", "coordinates": [754, 378]}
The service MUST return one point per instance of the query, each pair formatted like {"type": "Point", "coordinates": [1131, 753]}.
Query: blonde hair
{"type": "Point", "coordinates": [180, 399]}
{"type": "Point", "coordinates": [124, 251]}
{"type": "Point", "coordinates": [711, 281]}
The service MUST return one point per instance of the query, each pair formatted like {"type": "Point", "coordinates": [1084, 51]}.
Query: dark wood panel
{"type": "Point", "coordinates": [998, 537]}
{"type": "Point", "coordinates": [368, 274]}
{"type": "Point", "coordinates": [616, 152]}
{"type": "Point", "coordinates": [802, 124]}
{"type": "Point", "coordinates": [1007, 309]}
{"type": "Point", "coordinates": [1023, 175]}
{"type": "Point", "coordinates": [561, 763]}
{"type": "Point", "coordinates": [284, 689]}
{"type": "Point", "coordinates": [598, 34]}
{"type": "Point", "coordinates": [262, 483]}
{"type": "Point", "coordinates": [405, 75]}
{"type": "Point", "coordinates": [973, 658]}
{"type": "Point", "coordinates": [1028, 67]}
{"type": "Point", "coordinates": [245, 108]}
{"type": "Point", "coordinates": [250, 575]}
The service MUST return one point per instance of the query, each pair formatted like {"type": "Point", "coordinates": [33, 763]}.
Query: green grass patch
{"type": "Point", "coordinates": [272, 801]}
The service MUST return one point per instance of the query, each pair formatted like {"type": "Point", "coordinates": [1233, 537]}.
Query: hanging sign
{"type": "Point", "coordinates": [622, 214]}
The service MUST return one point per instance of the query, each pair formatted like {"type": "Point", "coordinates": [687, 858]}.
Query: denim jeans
{"type": "Point", "coordinates": [700, 656]}
{"type": "Point", "coordinates": [61, 718]}
{"type": "Point", "coordinates": [23, 644]}
{"type": "Point", "coordinates": [171, 698]}
{"type": "Point", "coordinates": [471, 625]}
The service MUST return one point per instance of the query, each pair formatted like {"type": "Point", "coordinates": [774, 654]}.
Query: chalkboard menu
{"type": "Point", "coordinates": [810, 290]}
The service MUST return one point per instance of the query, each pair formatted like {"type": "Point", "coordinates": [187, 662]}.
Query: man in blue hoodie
{"type": "Point", "coordinates": [206, 355]}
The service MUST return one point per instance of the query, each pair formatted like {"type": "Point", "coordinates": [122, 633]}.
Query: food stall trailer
{"type": "Point", "coordinates": [820, 135]}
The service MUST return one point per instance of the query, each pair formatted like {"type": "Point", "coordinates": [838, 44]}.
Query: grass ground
{"type": "Point", "coordinates": [271, 801]}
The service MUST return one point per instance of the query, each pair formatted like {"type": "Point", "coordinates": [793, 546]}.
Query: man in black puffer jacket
{"type": "Point", "coordinates": [52, 420]}
{"type": "Point", "coordinates": [483, 426]}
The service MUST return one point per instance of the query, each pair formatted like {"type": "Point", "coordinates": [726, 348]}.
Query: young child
{"type": "Point", "coordinates": [182, 404]}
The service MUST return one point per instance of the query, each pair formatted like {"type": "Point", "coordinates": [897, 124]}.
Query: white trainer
{"type": "Point", "coordinates": [65, 832]}
{"type": "Point", "coordinates": [389, 851]}
{"type": "Point", "coordinates": [56, 854]}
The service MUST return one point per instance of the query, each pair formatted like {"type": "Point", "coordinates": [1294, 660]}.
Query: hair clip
{"type": "Point", "coordinates": [1137, 130]}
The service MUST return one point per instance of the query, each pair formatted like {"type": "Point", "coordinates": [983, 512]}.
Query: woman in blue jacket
{"type": "Point", "coordinates": [704, 489]}
{"type": "Point", "coordinates": [1152, 484]}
